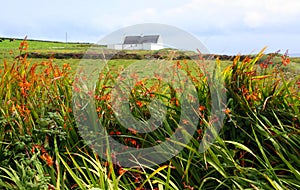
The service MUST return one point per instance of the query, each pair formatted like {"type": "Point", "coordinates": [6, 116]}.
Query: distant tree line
{"type": "Point", "coordinates": [9, 39]}
{"type": "Point", "coordinates": [122, 55]}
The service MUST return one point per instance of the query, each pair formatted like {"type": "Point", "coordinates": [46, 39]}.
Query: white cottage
{"type": "Point", "coordinates": [147, 42]}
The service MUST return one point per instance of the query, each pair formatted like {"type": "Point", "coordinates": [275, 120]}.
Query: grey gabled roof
{"type": "Point", "coordinates": [141, 39]}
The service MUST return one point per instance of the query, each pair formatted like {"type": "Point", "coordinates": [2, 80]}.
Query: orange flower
{"type": "Point", "coordinates": [285, 60]}
{"type": "Point", "coordinates": [76, 89]}
{"type": "Point", "coordinates": [24, 84]}
{"type": "Point", "coordinates": [201, 108]}
{"type": "Point", "coordinates": [175, 101]}
{"type": "Point", "coordinates": [98, 109]}
{"type": "Point", "coordinates": [122, 171]}
{"type": "Point", "coordinates": [178, 65]}
{"type": "Point", "coordinates": [115, 133]}
{"type": "Point", "coordinates": [105, 97]}
{"type": "Point", "coordinates": [65, 126]}
{"type": "Point", "coordinates": [139, 103]}
{"type": "Point", "coordinates": [45, 156]}
{"type": "Point", "coordinates": [253, 96]}
{"type": "Point", "coordinates": [23, 45]}
{"type": "Point", "coordinates": [35, 146]}
{"type": "Point", "coordinates": [244, 90]}
{"type": "Point", "coordinates": [136, 180]}
{"type": "Point", "coordinates": [32, 69]}
{"type": "Point", "coordinates": [24, 87]}
{"type": "Point", "coordinates": [139, 83]}
{"type": "Point", "coordinates": [23, 110]}
{"type": "Point", "coordinates": [111, 133]}
{"type": "Point", "coordinates": [199, 131]}
{"type": "Point", "coordinates": [152, 95]}
{"type": "Point", "coordinates": [132, 130]}
{"type": "Point", "coordinates": [133, 142]}
{"type": "Point", "coordinates": [66, 66]}
{"type": "Point", "coordinates": [247, 60]}
{"type": "Point", "coordinates": [298, 83]}
{"type": "Point", "coordinates": [263, 65]}
{"type": "Point", "coordinates": [227, 111]}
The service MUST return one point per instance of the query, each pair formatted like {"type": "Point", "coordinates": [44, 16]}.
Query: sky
{"type": "Point", "coordinates": [223, 26]}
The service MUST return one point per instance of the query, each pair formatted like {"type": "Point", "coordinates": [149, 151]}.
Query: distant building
{"type": "Point", "coordinates": [147, 42]}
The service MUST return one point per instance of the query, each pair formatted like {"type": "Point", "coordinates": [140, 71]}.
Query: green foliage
{"type": "Point", "coordinates": [258, 147]}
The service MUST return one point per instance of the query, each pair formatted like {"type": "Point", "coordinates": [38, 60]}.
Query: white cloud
{"type": "Point", "coordinates": [271, 12]}
{"type": "Point", "coordinates": [254, 19]}
{"type": "Point", "coordinates": [210, 18]}
{"type": "Point", "coordinates": [223, 14]}
{"type": "Point", "coordinates": [289, 7]}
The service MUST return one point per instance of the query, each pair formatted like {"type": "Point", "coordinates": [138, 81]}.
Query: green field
{"type": "Point", "coordinates": [43, 106]}
{"type": "Point", "coordinates": [48, 48]}
{"type": "Point", "coordinates": [43, 45]}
